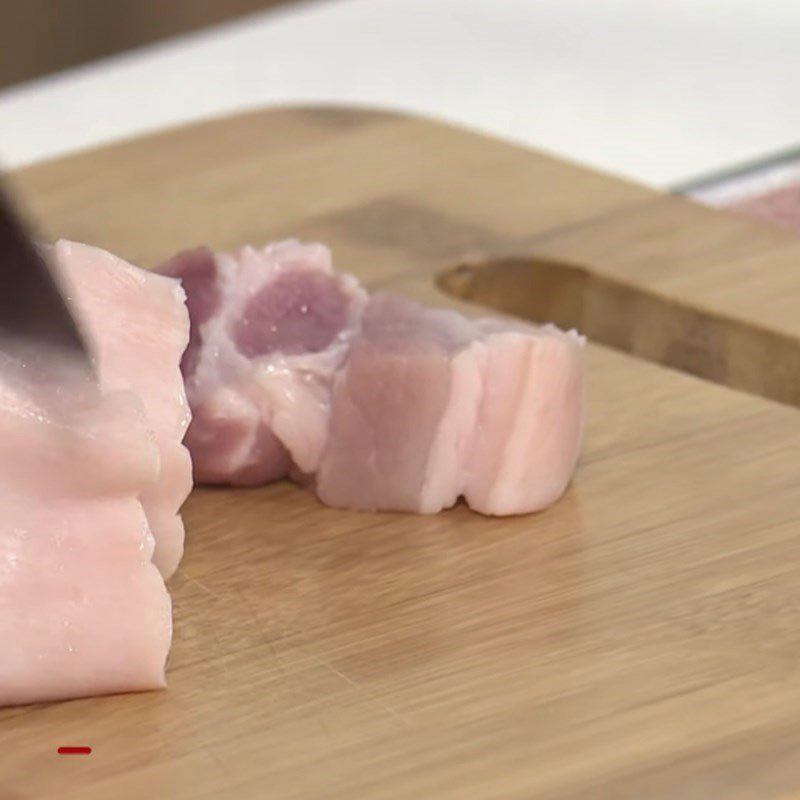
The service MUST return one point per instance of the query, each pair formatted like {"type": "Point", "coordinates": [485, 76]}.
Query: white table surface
{"type": "Point", "coordinates": [656, 90]}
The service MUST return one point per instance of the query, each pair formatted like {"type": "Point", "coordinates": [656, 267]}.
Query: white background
{"type": "Point", "coordinates": [657, 90]}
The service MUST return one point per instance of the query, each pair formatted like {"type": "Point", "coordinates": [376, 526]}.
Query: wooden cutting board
{"type": "Point", "coordinates": [640, 639]}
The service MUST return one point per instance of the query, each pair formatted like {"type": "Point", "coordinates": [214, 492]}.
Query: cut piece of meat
{"type": "Point", "coordinates": [88, 473]}
{"type": "Point", "coordinates": [377, 404]}
{"type": "Point", "coordinates": [138, 326]}
{"type": "Point", "coordinates": [430, 406]}
{"type": "Point", "coordinates": [530, 421]}
{"type": "Point", "coordinates": [404, 407]}
{"type": "Point", "coordinates": [83, 610]}
{"type": "Point", "coordinates": [269, 328]}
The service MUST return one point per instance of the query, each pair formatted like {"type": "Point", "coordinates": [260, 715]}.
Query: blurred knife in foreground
{"type": "Point", "coordinates": [35, 318]}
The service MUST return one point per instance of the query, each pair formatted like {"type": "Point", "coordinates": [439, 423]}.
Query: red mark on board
{"type": "Point", "coordinates": [74, 751]}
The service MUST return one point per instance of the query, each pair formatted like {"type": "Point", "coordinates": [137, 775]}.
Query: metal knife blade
{"type": "Point", "coordinates": [34, 315]}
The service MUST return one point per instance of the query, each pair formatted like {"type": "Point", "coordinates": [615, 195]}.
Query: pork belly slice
{"type": "Point", "coordinates": [138, 326]}
{"type": "Point", "coordinates": [83, 610]}
{"type": "Point", "coordinates": [378, 404]}
{"type": "Point", "coordinates": [430, 406]}
{"type": "Point", "coordinates": [269, 329]}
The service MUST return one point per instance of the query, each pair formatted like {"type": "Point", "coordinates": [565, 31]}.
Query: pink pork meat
{"type": "Point", "coordinates": [83, 610]}
{"type": "Point", "coordinates": [430, 406]}
{"type": "Point", "coordinates": [378, 404]}
{"type": "Point", "coordinates": [92, 476]}
{"type": "Point", "coordinates": [139, 329]}
{"type": "Point", "coordinates": [269, 329]}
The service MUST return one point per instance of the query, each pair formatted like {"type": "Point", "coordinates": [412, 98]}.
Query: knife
{"type": "Point", "coordinates": [35, 319]}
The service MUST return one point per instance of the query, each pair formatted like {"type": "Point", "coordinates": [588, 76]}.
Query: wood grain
{"type": "Point", "coordinates": [632, 317]}
{"type": "Point", "coordinates": [639, 639]}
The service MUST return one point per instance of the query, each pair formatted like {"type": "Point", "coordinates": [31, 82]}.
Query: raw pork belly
{"type": "Point", "coordinates": [430, 406]}
{"type": "Point", "coordinates": [381, 404]}
{"type": "Point", "coordinates": [269, 328]}
{"type": "Point", "coordinates": [138, 327]}
{"type": "Point", "coordinates": [83, 610]}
